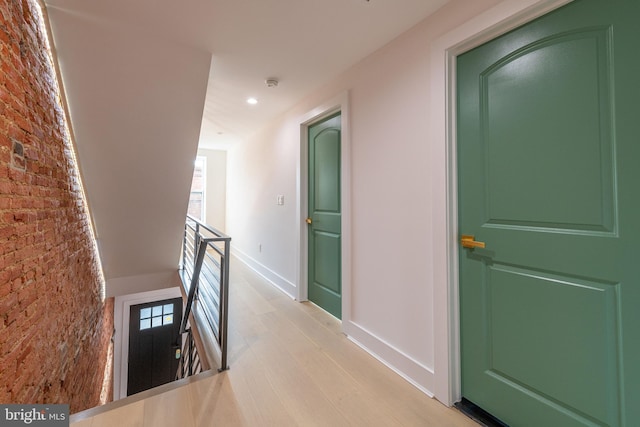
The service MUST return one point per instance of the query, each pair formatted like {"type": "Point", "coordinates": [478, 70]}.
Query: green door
{"type": "Point", "coordinates": [324, 219]}
{"type": "Point", "coordinates": [549, 178]}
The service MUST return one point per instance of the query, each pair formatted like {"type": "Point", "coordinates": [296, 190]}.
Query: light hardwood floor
{"type": "Point", "coordinates": [290, 366]}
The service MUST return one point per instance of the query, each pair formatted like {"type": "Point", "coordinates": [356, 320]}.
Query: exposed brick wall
{"type": "Point", "coordinates": [55, 328]}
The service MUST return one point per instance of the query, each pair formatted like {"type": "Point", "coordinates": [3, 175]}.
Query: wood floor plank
{"type": "Point", "coordinates": [253, 300]}
{"type": "Point", "coordinates": [260, 403]}
{"type": "Point", "coordinates": [294, 386]}
{"type": "Point", "coordinates": [126, 416]}
{"type": "Point", "coordinates": [356, 404]}
{"type": "Point", "coordinates": [213, 402]}
{"type": "Point", "coordinates": [383, 385]}
{"type": "Point", "coordinates": [172, 408]}
{"type": "Point", "coordinates": [290, 365]}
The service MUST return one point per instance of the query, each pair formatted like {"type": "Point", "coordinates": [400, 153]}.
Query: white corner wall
{"type": "Point", "coordinates": [393, 217]}
{"type": "Point", "coordinates": [136, 112]}
{"type": "Point", "coordinates": [215, 188]}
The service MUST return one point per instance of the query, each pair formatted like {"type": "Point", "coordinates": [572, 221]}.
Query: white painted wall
{"type": "Point", "coordinates": [256, 174]}
{"type": "Point", "coordinates": [393, 226]}
{"type": "Point", "coordinates": [216, 188]}
{"type": "Point", "coordinates": [136, 111]}
{"type": "Point", "coordinates": [403, 233]}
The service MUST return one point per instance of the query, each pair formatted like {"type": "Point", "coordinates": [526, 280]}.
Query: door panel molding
{"type": "Point", "coordinates": [496, 21]}
{"type": "Point", "coordinates": [594, 203]}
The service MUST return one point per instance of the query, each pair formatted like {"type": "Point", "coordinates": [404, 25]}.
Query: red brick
{"type": "Point", "coordinates": [7, 303]}
{"type": "Point", "coordinates": [7, 373]}
{"type": "Point", "coordinates": [5, 289]}
{"type": "Point", "coordinates": [4, 394]}
{"type": "Point", "coordinates": [26, 297]}
{"type": "Point", "coordinates": [49, 279]}
{"type": "Point", "coordinates": [14, 313]}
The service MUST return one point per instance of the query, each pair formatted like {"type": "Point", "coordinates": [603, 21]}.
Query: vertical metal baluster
{"type": "Point", "coordinates": [190, 338]}
{"type": "Point", "coordinates": [224, 305]}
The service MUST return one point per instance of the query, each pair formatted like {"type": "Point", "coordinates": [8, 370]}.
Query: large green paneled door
{"type": "Point", "coordinates": [324, 219]}
{"type": "Point", "coordinates": [548, 129]}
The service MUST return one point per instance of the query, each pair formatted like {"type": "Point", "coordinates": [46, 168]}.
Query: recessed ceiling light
{"type": "Point", "coordinates": [252, 101]}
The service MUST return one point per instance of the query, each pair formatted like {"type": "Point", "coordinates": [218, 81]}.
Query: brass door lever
{"type": "Point", "coordinates": [469, 241]}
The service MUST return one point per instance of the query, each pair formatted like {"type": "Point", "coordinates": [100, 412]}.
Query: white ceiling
{"type": "Point", "coordinates": [148, 80]}
{"type": "Point", "coordinates": [302, 43]}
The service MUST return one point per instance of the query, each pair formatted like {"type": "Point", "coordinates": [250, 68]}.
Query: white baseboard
{"type": "Point", "coordinates": [271, 276]}
{"type": "Point", "coordinates": [417, 374]}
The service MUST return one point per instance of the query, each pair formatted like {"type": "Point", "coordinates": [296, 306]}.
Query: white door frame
{"type": "Point", "coordinates": [338, 104]}
{"type": "Point", "coordinates": [121, 314]}
{"type": "Point", "coordinates": [496, 21]}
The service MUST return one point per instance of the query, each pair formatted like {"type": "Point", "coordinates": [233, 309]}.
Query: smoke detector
{"type": "Point", "coordinates": [271, 82]}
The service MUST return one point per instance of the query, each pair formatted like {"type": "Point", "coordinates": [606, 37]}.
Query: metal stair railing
{"type": "Point", "coordinates": [190, 363]}
{"type": "Point", "coordinates": [205, 277]}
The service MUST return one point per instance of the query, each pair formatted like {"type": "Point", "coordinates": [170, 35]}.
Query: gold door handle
{"type": "Point", "coordinates": [309, 221]}
{"type": "Point", "coordinates": [468, 241]}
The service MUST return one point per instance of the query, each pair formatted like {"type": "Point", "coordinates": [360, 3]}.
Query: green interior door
{"type": "Point", "coordinates": [549, 177]}
{"type": "Point", "coordinates": [324, 219]}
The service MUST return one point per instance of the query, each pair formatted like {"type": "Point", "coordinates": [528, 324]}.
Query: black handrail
{"type": "Point", "coordinates": [205, 276]}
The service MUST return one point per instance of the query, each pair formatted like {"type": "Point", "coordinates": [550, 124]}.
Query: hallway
{"type": "Point", "coordinates": [290, 366]}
